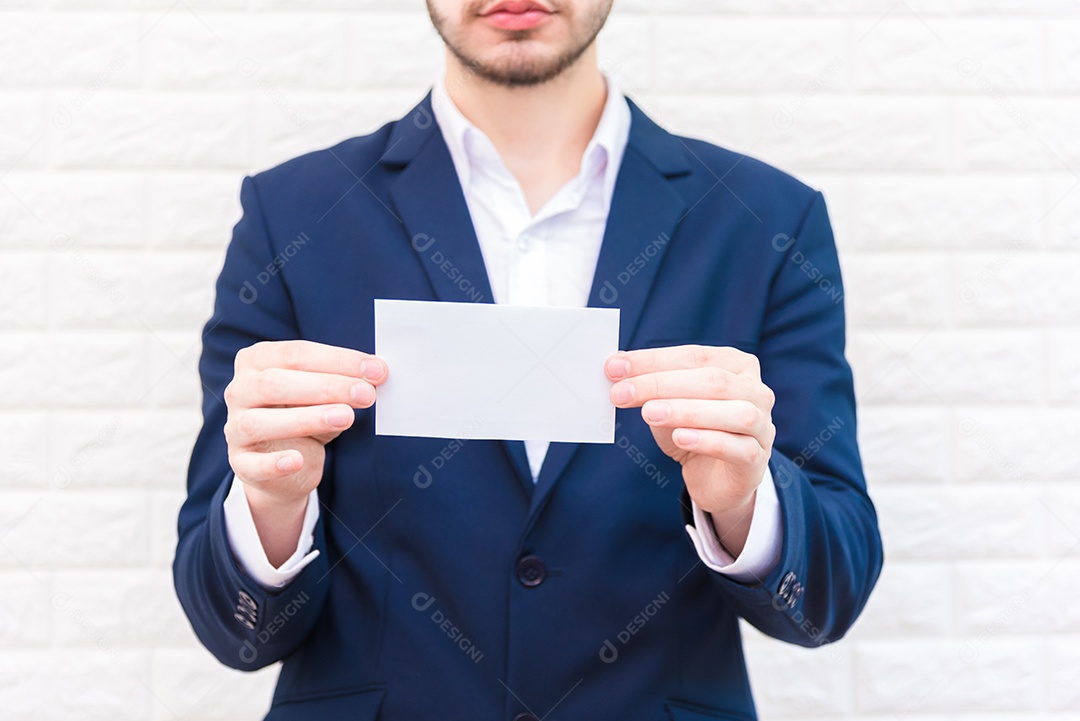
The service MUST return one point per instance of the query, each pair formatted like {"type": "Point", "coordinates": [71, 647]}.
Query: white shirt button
{"type": "Point", "coordinates": [525, 242]}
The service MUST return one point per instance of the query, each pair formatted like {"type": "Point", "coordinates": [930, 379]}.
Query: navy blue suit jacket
{"type": "Point", "coordinates": [448, 586]}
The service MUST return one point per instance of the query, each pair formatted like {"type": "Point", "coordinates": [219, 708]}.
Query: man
{"type": "Point", "coordinates": [407, 578]}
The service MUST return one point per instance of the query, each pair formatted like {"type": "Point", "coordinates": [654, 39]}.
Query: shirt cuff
{"type": "Point", "coordinates": [248, 549]}
{"type": "Point", "coordinates": [761, 552]}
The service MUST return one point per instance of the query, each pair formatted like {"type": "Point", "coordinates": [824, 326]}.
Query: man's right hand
{"type": "Point", "coordinates": [286, 401]}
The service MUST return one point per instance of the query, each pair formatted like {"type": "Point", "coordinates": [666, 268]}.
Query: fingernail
{"type": "Point", "coordinates": [371, 369]}
{"type": "Point", "coordinates": [286, 464]}
{"type": "Point", "coordinates": [657, 411]}
{"type": "Point", "coordinates": [360, 392]}
{"type": "Point", "coordinates": [622, 393]}
{"type": "Point", "coordinates": [618, 368]}
{"type": "Point", "coordinates": [338, 418]}
{"type": "Point", "coordinates": [687, 437]}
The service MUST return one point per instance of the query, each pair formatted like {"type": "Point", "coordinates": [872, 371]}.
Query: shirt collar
{"type": "Point", "coordinates": [463, 138]}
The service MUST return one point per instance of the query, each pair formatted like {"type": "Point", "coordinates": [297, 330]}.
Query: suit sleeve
{"type": "Point", "coordinates": [831, 552]}
{"type": "Point", "coordinates": [242, 623]}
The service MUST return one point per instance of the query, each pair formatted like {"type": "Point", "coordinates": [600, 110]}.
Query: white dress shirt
{"type": "Point", "coordinates": [546, 259]}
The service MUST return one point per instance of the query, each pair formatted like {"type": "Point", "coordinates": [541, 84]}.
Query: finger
{"type": "Point", "coordinates": [739, 417]}
{"type": "Point", "coordinates": [284, 387]}
{"type": "Point", "coordinates": [627, 364]}
{"type": "Point", "coordinates": [304, 355]}
{"type": "Point", "coordinates": [255, 427]}
{"type": "Point", "coordinates": [733, 448]}
{"type": "Point", "coordinates": [710, 383]}
{"type": "Point", "coordinates": [255, 467]}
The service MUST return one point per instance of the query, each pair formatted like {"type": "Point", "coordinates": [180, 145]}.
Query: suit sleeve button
{"type": "Point", "coordinates": [531, 571]}
{"type": "Point", "coordinates": [788, 593]}
{"type": "Point", "coordinates": [785, 584]}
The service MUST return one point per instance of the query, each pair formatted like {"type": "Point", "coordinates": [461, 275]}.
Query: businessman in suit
{"type": "Point", "coordinates": [416, 578]}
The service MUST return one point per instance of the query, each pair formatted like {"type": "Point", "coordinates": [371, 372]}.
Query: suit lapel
{"type": "Point", "coordinates": [428, 198]}
{"type": "Point", "coordinates": [645, 210]}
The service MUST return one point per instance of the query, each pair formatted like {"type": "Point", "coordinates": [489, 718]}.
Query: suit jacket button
{"type": "Point", "coordinates": [531, 571]}
{"type": "Point", "coordinates": [525, 717]}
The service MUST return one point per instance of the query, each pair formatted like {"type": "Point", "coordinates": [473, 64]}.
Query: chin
{"type": "Point", "coordinates": [515, 60]}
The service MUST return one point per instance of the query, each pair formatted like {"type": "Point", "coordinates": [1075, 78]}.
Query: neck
{"type": "Point", "coordinates": [540, 131]}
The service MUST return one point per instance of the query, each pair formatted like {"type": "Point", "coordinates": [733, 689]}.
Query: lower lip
{"type": "Point", "coordinates": [517, 21]}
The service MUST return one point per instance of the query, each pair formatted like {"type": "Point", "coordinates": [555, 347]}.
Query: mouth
{"type": "Point", "coordinates": [513, 15]}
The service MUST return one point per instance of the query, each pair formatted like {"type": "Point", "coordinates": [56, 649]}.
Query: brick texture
{"type": "Point", "coordinates": [943, 134]}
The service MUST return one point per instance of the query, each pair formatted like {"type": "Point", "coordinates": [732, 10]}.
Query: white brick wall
{"type": "Point", "coordinates": [943, 132]}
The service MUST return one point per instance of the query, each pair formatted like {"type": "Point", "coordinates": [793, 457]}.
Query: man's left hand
{"type": "Point", "coordinates": [708, 410]}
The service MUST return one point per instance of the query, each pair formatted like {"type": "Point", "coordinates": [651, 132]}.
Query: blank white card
{"type": "Point", "coordinates": [478, 370]}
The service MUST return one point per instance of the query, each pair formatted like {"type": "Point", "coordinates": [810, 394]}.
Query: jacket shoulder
{"type": "Point", "coordinates": [745, 174]}
{"type": "Point", "coordinates": [322, 173]}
